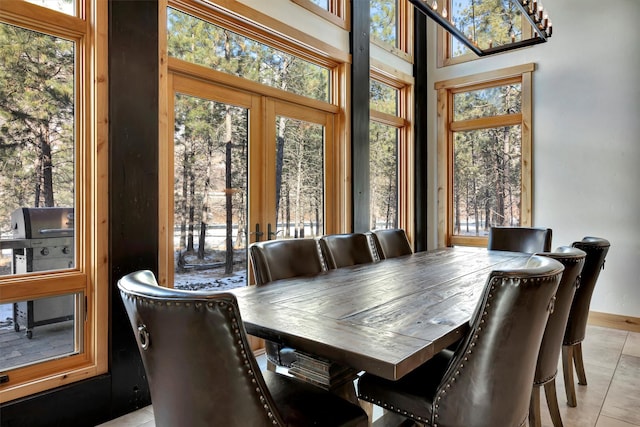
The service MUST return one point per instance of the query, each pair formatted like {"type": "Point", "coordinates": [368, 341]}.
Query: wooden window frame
{"type": "Point", "coordinates": [403, 121]}
{"type": "Point", "coordinates": [338, 13]}
{"type": "Point", "coordinates": [404, 50]}
{"type": "Point", "coordinates": [264, 29]}
{"type": "Point", "coordinates": [444, 42]}
{"type": "Point", "coordinates": [446, 127]}
{"type": "Point", "coordinates": [88, 29]}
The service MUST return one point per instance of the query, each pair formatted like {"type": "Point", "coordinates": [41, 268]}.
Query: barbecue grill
{"type": "Point", "coordinates": [43, 239]}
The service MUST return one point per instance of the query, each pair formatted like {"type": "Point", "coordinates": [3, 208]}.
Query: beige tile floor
{"type": "Point", "coordinates": [612, 398]}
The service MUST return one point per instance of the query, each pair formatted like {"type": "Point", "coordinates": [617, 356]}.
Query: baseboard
{"type": "Point", "coordinates": [615, 321]}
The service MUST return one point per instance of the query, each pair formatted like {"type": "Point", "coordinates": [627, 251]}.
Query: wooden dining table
{"type": "Point", "coordinates": [386, 318]}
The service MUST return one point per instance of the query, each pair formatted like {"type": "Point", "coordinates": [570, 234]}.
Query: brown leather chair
{"type": "Point", "coordinates": [283, 259]}
{"type": "Point", "coordinates": [343, 250]}
{"type": "Point", "coordinates": [487, 380]}
{"type": "Point", "coordinates": [596, 249]}
{"type": "Point", "coordinates": [520, 239]}
{"type": "Point", "coordinates": [547, 368]}
{"type": "Point", "coordinates": [202, 372]}
{"type": "Point", "coordinates": [391, 243]}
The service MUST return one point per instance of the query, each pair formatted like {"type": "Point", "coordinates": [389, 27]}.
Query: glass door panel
{"type": "Point", "coordinates": [298, 172]}
{"type": "Point", "coordinates": [210, 187]}
{"type": "Point", "coordinates": [299, 178]}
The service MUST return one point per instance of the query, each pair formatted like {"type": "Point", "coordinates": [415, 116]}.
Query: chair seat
{"type": "Point", "coordinates": [413, 393]}
{"type": "Point", "coordinates": [302, 404]}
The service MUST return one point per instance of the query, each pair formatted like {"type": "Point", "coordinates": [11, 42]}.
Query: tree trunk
{"type": "Point", "coordinates": [47, 169]}
{"type": "Point", "coordinates": [228, 265]}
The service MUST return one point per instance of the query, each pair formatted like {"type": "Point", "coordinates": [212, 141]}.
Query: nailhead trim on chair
{"type": "Point", "coordinates": [472, 343]}
{"type": "Point", "coordinates": [236, 331]}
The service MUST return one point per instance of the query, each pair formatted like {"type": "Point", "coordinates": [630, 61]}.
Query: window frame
{"type": "Point", "coordinates": [338, 13]}
{"type": "Point", "coordinates": [88, 29]}
{"type": "Point", "coordinates": [446, 128]}
{"type": "Point", "coordinates": [404, 50]}
{"type": "Point", "coordinates": [281, 37]}
{"type": "Point", "coordinates": [403, 122]}
{"type": "Point", "coordinates": [444, 42]}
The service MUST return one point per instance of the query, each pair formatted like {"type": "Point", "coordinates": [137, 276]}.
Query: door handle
{"type": "Point", "coordinates": [270, 233]}
{"type": "Point", "coordinates": [258, 233]}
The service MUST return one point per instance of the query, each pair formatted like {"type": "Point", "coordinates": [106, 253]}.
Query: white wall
{"type": "Point", "coordinates": [586, 135]}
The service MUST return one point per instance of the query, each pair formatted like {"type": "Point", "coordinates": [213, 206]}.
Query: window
{"type": "Point", "coordinates": [335, 11]}
{"type": "Point", "coordinates": [391, 24]}
{"type": "Point", "coordinates": [203, 43]}
{"type": "Point", "coordinates": [253, 147]}
{"type": "Point", "coordinates": [52, 285]}
{"type": "Point", "coordinates": [388, 151]}
{"type": "Point", "coordinates": [488, 23]}
{"type": "Point", "coordinates": [484, 154]}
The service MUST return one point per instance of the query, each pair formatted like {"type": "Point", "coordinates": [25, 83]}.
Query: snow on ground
{"type": "Point", "coordinates": [203, 280]}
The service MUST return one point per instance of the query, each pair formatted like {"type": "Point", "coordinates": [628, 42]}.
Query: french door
{"type": "Point", "coordinates": [240, 167]}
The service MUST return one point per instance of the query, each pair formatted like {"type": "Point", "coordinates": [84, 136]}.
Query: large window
{"type": "Point", "coordinates": [389, 131]}
{"type": "Point", "coordinates": [51, 284]}
{"type": "Point", "coordinates": [390, 25]}
{"type": "Point", "coordinates": [487, 23]}
{"type": "Point", "coordinates": [253, 147]}
{"type": "Point", "coordinates": [484, 152]}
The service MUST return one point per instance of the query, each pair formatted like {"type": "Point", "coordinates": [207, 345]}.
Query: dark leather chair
{"type": "Point", "coordinates": [520, 239]}
{"type": "Point", "coordinates": [283, 259]}
{"type": "Point", "coordinates": [343, 250]}
{"type": "Point", "coordinates": [547, 368]}
{"type": "Point", "coordinates": [391, 243]}
{"type": "Point", "coordinates": [202, 372]}
{"type": "Point", "coordinates": [596, 249]}
{"type": "Point", "coordinates": [487, 380]}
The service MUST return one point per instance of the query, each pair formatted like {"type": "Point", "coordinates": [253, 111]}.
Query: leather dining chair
{"type": "Point", "coordinates": [391, 243]}
{"type": "Point", "coordinates": [343, 250]}
{"type": "Point", "coordinates": [547, 367]}
{"type": "Point", "coordinates": [596, 249]}
{"type": "Point", "coordinates": [487, 379]}
{"type": "Point", "coordinates": [520, 239]}
{"type": "Point", "coordinates": [202, 372]}
{"type": "Point", "coordinates": [283, 259]}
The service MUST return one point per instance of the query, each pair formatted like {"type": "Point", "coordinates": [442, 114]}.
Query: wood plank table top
{"type": "Point", "coordinates": [386, 318]}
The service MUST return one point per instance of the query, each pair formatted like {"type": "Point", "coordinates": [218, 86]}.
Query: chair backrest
{"type": "Point", "coordinates": [282, 259]}
{"type": "Point", "coordinates": [573, 261]}
{"type": "Point", "coordinates": [520, 239]}
{"type": "Point", "coordinates": [391, 243]}
{"type": "Point", "coordinates": [199, 365]}
{"type": "Point", "coordinates": [488, 382]}
{"type": "Point", "coordinates": [596, 249]}
{"type": "Point", "coordinates": [343, 250]}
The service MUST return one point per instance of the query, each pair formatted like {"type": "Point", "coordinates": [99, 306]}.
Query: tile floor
{"type": "Point", "coordinates": [612, 398]}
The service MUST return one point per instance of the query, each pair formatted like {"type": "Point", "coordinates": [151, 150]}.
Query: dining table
{"type": "Point", "coordinates": [386, 318]}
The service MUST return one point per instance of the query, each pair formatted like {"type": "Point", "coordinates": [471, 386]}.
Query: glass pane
{"type": "Point", "coordinates": [383, 98]}
{"type": "Point", "coordinates": [38, 330]}
{"type": "Point", "coordinates": [322, 3]}
{"type": "Point", "coordinates": [210, 193]}
{"type": "Point", "coordinates": [64, 6]}
{"type": "Point", "coordinates": [383, 158]}
{"type": "Point", "coordinates": [486, 180]}
{"type": "Point", "coordinates": [200, 42]}
{"type": "Point", "coordinates": [299, 178]}
{"type": "Point", "coordinates": [493, 101]}
{"type": "Point", "coordinates": [37, 142]}
{"type": "Point", "coordinates": [384, 21]}
{"type": "Point", "coordinates": [489, 23]}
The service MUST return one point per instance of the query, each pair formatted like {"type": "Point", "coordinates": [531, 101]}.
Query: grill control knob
{"type": "Point", "coordinates": [65, 250]}
{"type": "Point", "coordinates": [45, 251]}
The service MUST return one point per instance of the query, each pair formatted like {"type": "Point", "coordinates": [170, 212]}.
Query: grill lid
{"type": "Point", "coordinates": [42, 223]}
